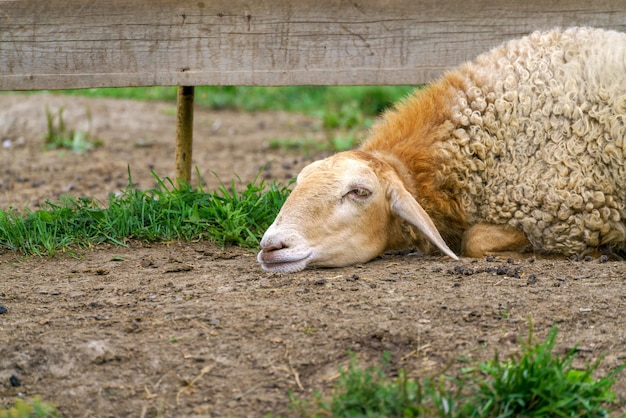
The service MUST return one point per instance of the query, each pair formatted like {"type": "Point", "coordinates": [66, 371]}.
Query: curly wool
{"type": "Point", "coordinates": [538, 139]}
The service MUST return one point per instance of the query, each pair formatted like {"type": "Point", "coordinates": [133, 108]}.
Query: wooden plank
{"type": "Point", "coordinates": [56, 44]}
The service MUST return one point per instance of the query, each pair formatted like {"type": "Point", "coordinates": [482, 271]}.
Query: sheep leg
{"type": "Point", "coordinates": [490, 239]}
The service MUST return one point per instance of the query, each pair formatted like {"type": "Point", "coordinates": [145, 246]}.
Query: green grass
{"type": "Point", "coordinates": [34, 408]}
{"type": "Point", "coordinates": [168, 212]}
{"type": "Point", "coordinates": [59, 136]}
{"type": "Point", "coordinates": [535, 383]}
{"type": "Point", "coordinates": [345, 101]}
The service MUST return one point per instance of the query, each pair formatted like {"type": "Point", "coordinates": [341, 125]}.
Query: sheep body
{"type": "Point", "coordinates": [522, 147]}
{"type": "Point", "coordinates": [530, 134]}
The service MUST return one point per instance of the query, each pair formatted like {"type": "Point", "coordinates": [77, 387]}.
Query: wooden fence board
{"type": "Point", "coordinates": [57, 44]}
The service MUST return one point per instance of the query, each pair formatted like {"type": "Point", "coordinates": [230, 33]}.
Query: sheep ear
{"type": "Point", "coordinates": [406, 207]}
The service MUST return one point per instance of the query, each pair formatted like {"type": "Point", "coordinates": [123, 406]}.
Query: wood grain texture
{"type": "Point", "coordinates": [56, 44]}
{"type": "Point", "coordinates": [184, 133]}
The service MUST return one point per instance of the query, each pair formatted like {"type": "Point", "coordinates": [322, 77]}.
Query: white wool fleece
{"type": "Point", "coordinates": [539, 139]}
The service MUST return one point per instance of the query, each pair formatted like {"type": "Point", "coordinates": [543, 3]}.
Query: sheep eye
{"type": "Point", "coordinates": [359, 193]}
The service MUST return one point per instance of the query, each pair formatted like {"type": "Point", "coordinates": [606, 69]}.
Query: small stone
{"type": "Point", "coordinates": [604, 258]}
{"type": "Point", "coordinates": [146, 262]}
{"type": "Point", "coordinates": [353, 278]}
{"type": "Point", "coordinates": [3, 310]}
{"type": "Point", "coordinates": [15, 382]}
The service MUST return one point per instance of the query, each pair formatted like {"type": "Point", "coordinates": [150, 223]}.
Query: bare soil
{"type": "Point", "coordinates": [192, 329]}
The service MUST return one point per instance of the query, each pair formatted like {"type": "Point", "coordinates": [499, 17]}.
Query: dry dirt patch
{"type": "Point", "coordinates": [187, 329]}
{"type": "Point", "coordinates": [139, 135]}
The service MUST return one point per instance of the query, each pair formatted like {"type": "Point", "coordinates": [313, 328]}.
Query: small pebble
{"type": "Point", "coordinates": [353, 278]}
{"type": "Point", "coordinates": [3, 310]}
{"type": "Point", "coordinates": [15, 382]}
{"type": "Point", "coordinates": [532, 279]}
{"type": "Point", "coordinates": [604, 258]}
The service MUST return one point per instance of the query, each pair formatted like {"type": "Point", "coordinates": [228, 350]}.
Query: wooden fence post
{"type": "Point", "coordinates": [184, 133]}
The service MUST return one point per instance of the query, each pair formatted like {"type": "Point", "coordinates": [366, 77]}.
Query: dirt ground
{"type": "Point", "coordinates": [191, 329]}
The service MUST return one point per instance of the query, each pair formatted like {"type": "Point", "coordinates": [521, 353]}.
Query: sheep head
{"type": "Point", "coordinates": [344, 210]}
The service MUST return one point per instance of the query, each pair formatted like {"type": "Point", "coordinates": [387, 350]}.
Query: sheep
{"type": "Point", "coordinates": [520, 150]}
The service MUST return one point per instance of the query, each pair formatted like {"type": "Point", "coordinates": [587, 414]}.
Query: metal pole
{"type": "Point", "coordinates": [184, 133]}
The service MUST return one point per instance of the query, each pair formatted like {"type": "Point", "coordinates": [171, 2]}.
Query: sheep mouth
{"type": "Point", "coordinates": [272, 262]}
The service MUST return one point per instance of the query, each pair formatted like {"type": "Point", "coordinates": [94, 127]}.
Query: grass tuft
{"type": "Point", "coordinates": [535, 383]}
{"type": "Point", "coordinates": [30, 409]}
{"type": "Point", "coordinates": [168, 212]}
{"type": "Point", "coordinates": [59, 136]}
